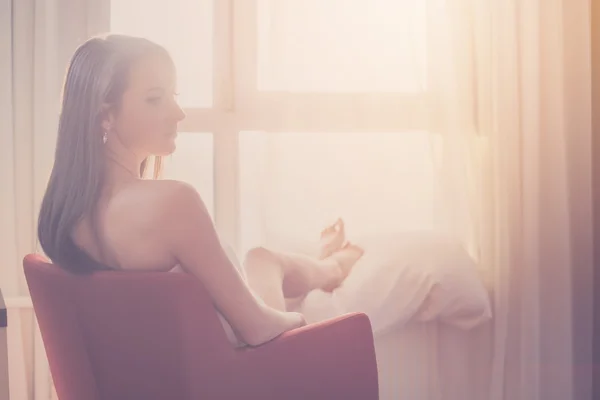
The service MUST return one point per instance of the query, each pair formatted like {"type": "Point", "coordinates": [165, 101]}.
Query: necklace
{"type": "Point", "coordinates": [135, 175]}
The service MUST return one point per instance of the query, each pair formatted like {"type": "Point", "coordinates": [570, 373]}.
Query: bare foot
{"type": "Point", "coordinates": [345, 259]}
{"type": "Point", "coordinates": [332, 239]}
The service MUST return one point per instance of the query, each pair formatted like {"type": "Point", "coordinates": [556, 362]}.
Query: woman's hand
{"type": "Point", "coordinates": [297, 320]}
{"type": "Point", "coordinates": [281, 323]}
{"type": "Point", "coordinates": [177, 268]}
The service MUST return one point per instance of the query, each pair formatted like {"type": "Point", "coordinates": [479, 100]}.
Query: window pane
{"type": "Point", "coordinates": [192, 162]}
{"type": "Point", "coordinates": [292, 184]}
{"type": "Point", "coordinates": [185, 28]}
{"type": "Point", "coordinates": [342, 45]}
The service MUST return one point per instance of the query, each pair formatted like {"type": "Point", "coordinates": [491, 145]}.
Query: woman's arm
{"type": "Point", "coordinates": [196, 247]}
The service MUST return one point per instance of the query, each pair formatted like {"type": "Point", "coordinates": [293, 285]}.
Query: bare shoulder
{"type": "Point", "coordinates": [184, 222]}
{"type": "Point", "coordinates": [158, 203]}
{"type": "Point", "coordinates": [171, 200]}
{"type": "Point", "coordinates": [150, 222]}
{"type": "Point", "coordinates": [179, 196]}
{"type": "Point", "coordinates": [167, 189]}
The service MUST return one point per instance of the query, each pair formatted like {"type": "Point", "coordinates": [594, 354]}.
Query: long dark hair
{"type": "Point", "coordinates": [97, 76]}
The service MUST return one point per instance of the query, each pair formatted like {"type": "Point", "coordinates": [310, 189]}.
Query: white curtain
{"type": "Point", "coordinates": [509, 123]}
{"type": "Point", "coordinates": [536, 225]}
{"type": "Point", "coordinates": [37, 38]}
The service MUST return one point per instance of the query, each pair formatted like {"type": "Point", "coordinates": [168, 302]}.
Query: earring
{"type": "Point", "coordinates": [105, 137]}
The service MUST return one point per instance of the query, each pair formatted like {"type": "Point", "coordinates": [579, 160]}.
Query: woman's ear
{"type": "Point", "coordinates": [108, 118]}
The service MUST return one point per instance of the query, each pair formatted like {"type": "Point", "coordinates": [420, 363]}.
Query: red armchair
{"type": "Point", "coordinates": [118, 335]}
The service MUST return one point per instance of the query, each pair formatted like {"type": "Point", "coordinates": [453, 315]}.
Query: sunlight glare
{"type": "Point", "coordinates": [342, 45]}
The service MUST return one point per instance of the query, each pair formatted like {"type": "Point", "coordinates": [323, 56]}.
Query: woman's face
{"type": "Point", "coordinates": [146, 121]}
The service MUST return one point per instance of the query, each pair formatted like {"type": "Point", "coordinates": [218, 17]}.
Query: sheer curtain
{"type": "Point", "coordinates": [36, 41]}
{"type": "Point", "coordinates": [535, 232]}
{"type": "Point", "coordinates": [502, 159]}
{"type": "Point", "coordinates": [518, 183]}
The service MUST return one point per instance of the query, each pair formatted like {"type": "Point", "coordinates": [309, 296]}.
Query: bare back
{"type": "Point", "coordinates": [156, 225]}
{"type": "Point", "coordinates": [129, 233]}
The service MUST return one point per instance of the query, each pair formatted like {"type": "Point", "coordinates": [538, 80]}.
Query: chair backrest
{"type": "Point", "coordinates": [127, 335]}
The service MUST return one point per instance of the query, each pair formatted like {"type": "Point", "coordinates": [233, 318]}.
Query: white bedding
{"type": "Point", "coordinates": [414, 275]}
{"type": "Point", "coordinates": [420, 276]}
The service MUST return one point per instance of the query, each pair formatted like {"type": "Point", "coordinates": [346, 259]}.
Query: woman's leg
{"type": "Point", "coordinates": [276, 276]}
{"type": "Point", "coordinates": [266, 274]}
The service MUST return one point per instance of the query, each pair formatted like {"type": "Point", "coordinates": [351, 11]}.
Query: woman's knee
{"type": "Point", "coordinates": [259, 260]}
{"type": "Point", "coordinates": [264, 274]}
{"type": "Point", "coordinates": [258, 255]}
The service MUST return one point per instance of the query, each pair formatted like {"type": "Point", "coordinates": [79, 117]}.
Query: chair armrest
{"type": "Point", "coordinates": [328, 360]}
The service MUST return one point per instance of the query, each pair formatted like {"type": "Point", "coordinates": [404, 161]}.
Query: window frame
{"type": "Point", "coordinates": [239, 105]}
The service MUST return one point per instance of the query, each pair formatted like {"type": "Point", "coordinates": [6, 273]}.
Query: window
{"type": "Point", "coordinates": [342, 46]}
{"type": "Point", "coordinates": [293, 184]}
{"type": "Point", "coordinates": [252, 70]}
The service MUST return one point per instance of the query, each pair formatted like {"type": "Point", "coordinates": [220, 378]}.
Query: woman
{"type": "Point", "coordinates": [118, 109]}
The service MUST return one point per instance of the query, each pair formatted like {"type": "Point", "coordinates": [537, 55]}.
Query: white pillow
{"type": "Point", "coordinates": [459, 296]}
{"type": "Point", "coordinates": [403, 276]}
